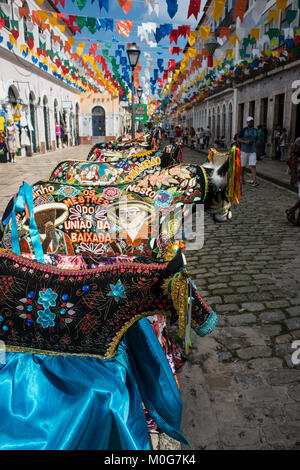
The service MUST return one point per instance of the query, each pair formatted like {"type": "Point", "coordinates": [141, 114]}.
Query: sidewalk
{"type": "Point", "coordinates": [271, 170]}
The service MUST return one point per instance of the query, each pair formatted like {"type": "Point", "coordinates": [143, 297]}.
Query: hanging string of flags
{"type": "Point", "coordinates": [72, 64]}
{"type": "Point", "coordinates": [126, 5]}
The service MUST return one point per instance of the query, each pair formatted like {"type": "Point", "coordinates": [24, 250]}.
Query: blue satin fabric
{"type": "Point", "coordinates": [24, 197]}
{"type": "Point", "coordinates": [50, 402]}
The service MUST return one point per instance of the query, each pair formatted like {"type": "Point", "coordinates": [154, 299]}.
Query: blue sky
{"type": "Point", "coordinates": [138, 14]}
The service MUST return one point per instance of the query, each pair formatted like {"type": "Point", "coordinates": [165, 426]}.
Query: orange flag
{"type": "Point", "coordinates": [239, 9]}
{"type": "Point", "coordinates": [35, 17]}
{"type": "Point", "coordinates": [23, 11]}
{"type": "Point", "coordinates": [125, 4]}
{"type": "Point", "coordinates": [124, 27]}
{"type": "Point", "coordinates": [46, 26]}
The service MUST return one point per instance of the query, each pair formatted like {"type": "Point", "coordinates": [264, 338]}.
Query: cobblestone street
{"type": "Point", "coordinates": [239, 387]}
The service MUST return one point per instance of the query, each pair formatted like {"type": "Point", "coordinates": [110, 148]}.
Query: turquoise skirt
{"type": "Point", "coordinates": [52, 402]}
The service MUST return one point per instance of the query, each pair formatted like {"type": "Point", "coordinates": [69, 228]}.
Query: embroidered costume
{"type": "Point", "coordinates": [83, 362]}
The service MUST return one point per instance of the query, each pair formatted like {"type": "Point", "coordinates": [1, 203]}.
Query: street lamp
{"type": "Point", "coordinates": [133, 54]}
{"type": "Point", "coordinates": [139, 92]}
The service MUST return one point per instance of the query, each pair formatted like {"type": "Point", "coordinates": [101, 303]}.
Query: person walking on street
{"type": "Point", "coordinates": [248, 140]}
{"type": "Point", "coordinates": [172, 135]}
{"type": "Point", "coordinates": [261, 143]}
{"type": "Point", "coordinates": [295, 179]}
{"type": "Point", "coordinates": [178, 135]}
{"type": "Point", "coordinates": [185, 136]}
{"type": "Point", "coordinates": [207, 137]}
{"type": "Point", "coordinates": [283, 144]}
{"type": "Point", "coordinates": [193, 137]}
{"type": "Point", "coordinates": [276, 137]}
{"type": "Point", "coordinates": [202, 137]}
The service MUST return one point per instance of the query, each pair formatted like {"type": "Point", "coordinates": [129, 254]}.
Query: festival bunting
{"type": "Point", "coordinates": [124, 27]}
{"type": "Point", "coordinates": [291, 15]}
{"type": "Point", "coordinates": [224, 31]}
{"type": "Point", "coordinates": [125, 5]}
{"type": "Point", "coordinates": [255, 33]}
{"type": "Point", "coordinates": [273, 16]}
{"type": "Point", "coordinates": [192, 37]}
{"type": "Point", "coordinates": [194, 8]}
{"type": "Point", "coordinates": [240, 9]}
{"type": "Point", "coordinates": [204, 32]}
{"type": "Point", "coordinates": [219, 6]}
{"type": "Point", "coordinates": [172, 7]}
{"type": "Point", "coordinates": [281, 5]}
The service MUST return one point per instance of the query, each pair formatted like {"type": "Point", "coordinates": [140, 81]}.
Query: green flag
{"type": "Point", "coordinates": [291, 16]}
{"type": "Point", "coordinates": [81, 21]}
{"type": "Point", "coordinates": [91, 24]}
{"type": "Point", "coordinates": [81, 4]}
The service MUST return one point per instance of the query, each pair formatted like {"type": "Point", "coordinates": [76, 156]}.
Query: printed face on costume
{"type": "Point", "coordinates": [132, 216]}
{"type": "Point", "coordinates": [44, 219]}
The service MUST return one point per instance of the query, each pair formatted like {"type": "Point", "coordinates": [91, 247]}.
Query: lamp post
{"type": "Point", "coordinates": [133, 54]}
{"type": "Point", "coordinates": [139, 92]}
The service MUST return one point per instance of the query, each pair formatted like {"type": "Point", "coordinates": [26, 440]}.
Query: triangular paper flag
{"type": "Point", "coordinates": [291, 16]}
{"type": "Point", "coordinates": [125, 5]}
{"type": "Point", "coordinates": [281, 5]}
{"type": "Point", "coordinates": [53, 20]}
{"type": "Point", "coordinates": [219, 6]}
{"type": "Point", "coordinates": [255, 32]}
{"type": "Point", "coordinates": [192, 37]}
{"type": "Point", "coordinates": [273, 15]}
{"type": "Point", "coordinates": [204, 32]}
{"type": "Point", "coordinates": [43, 16]}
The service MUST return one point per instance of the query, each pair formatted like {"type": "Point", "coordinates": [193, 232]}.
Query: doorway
{"type": "Point", "coordinates": [98, 124]}
{"type": "Point", "coordinates": [296, 113]}
{"type": "Point", "coordinates": [279, 109]}
{"type": "Point", "coordinates": [46, 123]}
{"type": "Point", "coordinates": [33, 119]}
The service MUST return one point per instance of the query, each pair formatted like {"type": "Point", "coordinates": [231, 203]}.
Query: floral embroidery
{"type": "Point", "coordinates": [111, 193]}
{"type": "Point", "coordinates": [117, 291]}
{"type": "Point", "coordinates": [68, 191]}
{"type": "Point", "coordinates": [46, 318]}
{"type": "Point", "coordinates": [75, 212]}
{"type": "Point", "coordinates": [91, 248]}
{"type": "Point", "coordinates": [164, 199]}
{"type": "Point", "coordinates": [47, 298]}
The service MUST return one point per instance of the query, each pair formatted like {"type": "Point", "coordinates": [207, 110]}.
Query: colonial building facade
{"type": "Point", "coordinates": [268, 94]}
{"type": "Point", "coordinates": [57, 112]}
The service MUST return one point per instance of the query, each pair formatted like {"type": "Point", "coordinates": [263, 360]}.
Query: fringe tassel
{"type": "Point", "coordinates": [177, 288]}
{"type": "Point", "coordinates": [234, 176]}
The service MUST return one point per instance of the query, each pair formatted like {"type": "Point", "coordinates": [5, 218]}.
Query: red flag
{"type": "Point", "coordinates": [2, 22]}
{"type": "Point", "coordinates": [194, 8]}
{"type": "Point", "coordinates": [174, 35]}
{"type": "Point", "coordinates": [184, 30]}
{"type": "Point", "coordinates": [62, 2]}
{"type": "Point", "coordinates": [239, 9]}
{"type": "Point", "coordinates": [30, 42]}
{"type": "Point", "coordinates": [224, 31]}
